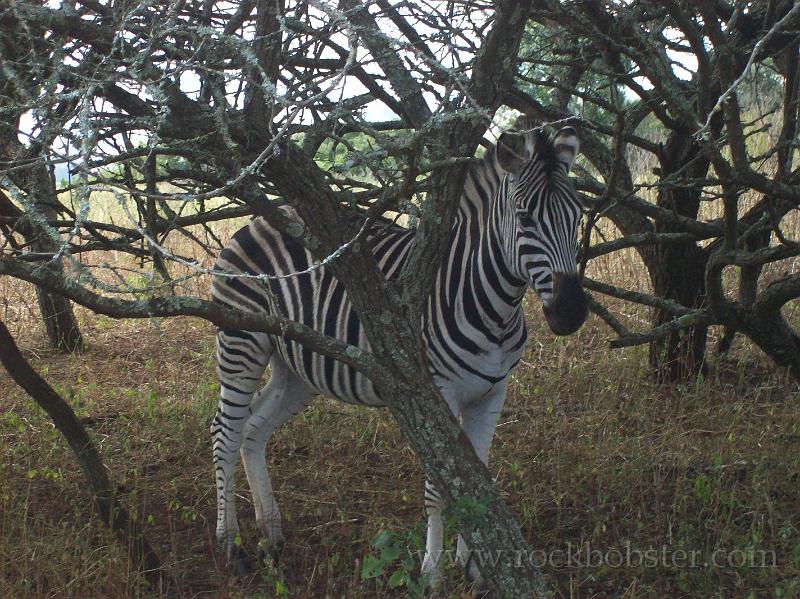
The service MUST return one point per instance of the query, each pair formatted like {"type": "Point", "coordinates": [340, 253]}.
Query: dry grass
{"type": "Point", "coordinates": [588, 451]}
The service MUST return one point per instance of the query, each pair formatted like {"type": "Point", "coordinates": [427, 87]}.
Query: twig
{"type": "Point", "coordinates": [702, 132]}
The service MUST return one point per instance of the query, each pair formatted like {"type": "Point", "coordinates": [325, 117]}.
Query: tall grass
{"type": "Point", "coordinates": [589, 454]}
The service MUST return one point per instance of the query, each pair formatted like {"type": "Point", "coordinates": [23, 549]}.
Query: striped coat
{"type": "Point", "coordinates": [516, 228]}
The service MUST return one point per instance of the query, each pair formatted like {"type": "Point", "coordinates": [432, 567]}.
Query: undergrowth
{"type": "Point", "coordinates": [623, 487]}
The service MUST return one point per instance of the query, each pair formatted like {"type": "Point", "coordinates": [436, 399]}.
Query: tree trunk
{"type": "Point", "coordinates": [393, 327]}
{"type": "Point", "coordinates": [446, 455]}
{"type": "Point", "coordinates": [59, 321]}
{"type": "Point", "coordinates": [679, 269]}
{"type": "Point", "coordinates": [774, 337]}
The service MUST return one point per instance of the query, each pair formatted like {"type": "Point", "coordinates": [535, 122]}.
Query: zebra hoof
{"type": "Point", "coordinates": [430, 577]}
{"type": "Point", "coordinates": [481, 591]}
{"type": "Point", "coordinates": [240, 564]}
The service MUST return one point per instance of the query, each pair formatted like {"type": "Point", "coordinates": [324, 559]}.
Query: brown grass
{"type": "Point", "coordinates": [588, 450]}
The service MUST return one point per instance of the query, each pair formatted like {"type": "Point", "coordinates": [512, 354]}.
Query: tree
{"type": "Point", "coordinates": [246, 114]}
{"type": "Point", "coordinates": [189, 113]}
{"type": "Point", "coordinates": [32, 185]}
{"type": "Point", "coordinates": [65, 420]}
{"type": "Point", "coordinates": [629, 67]}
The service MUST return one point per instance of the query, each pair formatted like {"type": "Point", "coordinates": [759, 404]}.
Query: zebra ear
{"type": "Point", "coordinates": [566, 145]}
{"type": "Point", "coordinates": [511, 152]}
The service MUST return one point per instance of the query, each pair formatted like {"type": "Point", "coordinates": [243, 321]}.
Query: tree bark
{"type": "Point", "coordinates": [679, 270]}
{"type": "Point", "coordinates": [390, 313]}
{"type": "Point", "coordinates": [446, 455]}
{"type": "Point", "coordinates": [59, 320]}
{"type": "Point", "coordinates": [774, 336]}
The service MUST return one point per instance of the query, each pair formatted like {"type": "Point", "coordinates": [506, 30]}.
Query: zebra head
{"type": "Point", "coordinates": [544, 213]}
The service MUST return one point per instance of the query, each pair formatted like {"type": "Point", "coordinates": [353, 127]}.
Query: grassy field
{"type": "Point", "coordinates": [598, 464]}
{"type": "Point", "coordinates": [624, 488]}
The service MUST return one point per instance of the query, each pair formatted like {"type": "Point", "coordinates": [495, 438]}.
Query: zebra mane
{"type": "Point", "coordinates": [486, 176]}
{"type": "Point", "coordinates": [487, 173]}
{"type": "Point", "coordinates": [483, 179]}
{"type": "Point", "coordinates": [545, 150]}
{"type": "Point", "coordinates": [538, 142]}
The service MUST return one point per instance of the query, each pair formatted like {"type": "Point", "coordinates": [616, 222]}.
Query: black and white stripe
{"type": "Point", "coordinates": [516, 228]}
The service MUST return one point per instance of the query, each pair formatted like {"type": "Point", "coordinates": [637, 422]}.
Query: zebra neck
{"type": "Point", "coordinates": [476, 287]}
{"type": "Point", "coordinates": [494, 259]}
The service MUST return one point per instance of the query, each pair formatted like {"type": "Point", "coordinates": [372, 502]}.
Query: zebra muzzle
{"type": "Point", "coordinates": [567, 309]}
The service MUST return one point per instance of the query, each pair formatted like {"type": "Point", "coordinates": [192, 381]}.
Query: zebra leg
{"type": "Point", "coordinates": [479, 420]}
{"type": "Point", "coordinates": [242, 358]}
{"type": "Point", "coordinates": [284, 396]}
{"type": "Point", "coordinates": [434, 542]}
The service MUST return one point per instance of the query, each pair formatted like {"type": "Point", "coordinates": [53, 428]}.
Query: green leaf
{"type": "Point", "coordinates": [390, 553]}
{"type": "Point", "coordinates": [397, 579]}
{"type": "Point", "coordinates": [371, 568]}
{"type": "Point", "coordinates": [382, 539]}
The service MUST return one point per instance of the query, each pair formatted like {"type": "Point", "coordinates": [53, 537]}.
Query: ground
{"type": "Point", "coordinates": [624, 488]}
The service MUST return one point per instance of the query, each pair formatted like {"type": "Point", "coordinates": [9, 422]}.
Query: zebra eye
{"type": "Point", "coordinates": [526, 220]}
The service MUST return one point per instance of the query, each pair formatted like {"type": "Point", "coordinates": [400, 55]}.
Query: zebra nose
{"type": "Point", "coordinates": [567, 309]}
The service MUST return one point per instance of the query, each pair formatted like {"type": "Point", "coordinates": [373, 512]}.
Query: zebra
{"type": "Point", "coordinates": [516, 227]}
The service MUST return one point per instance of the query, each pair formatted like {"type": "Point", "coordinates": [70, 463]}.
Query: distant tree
{"type": "Point", "coordinates": [689, 69]}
